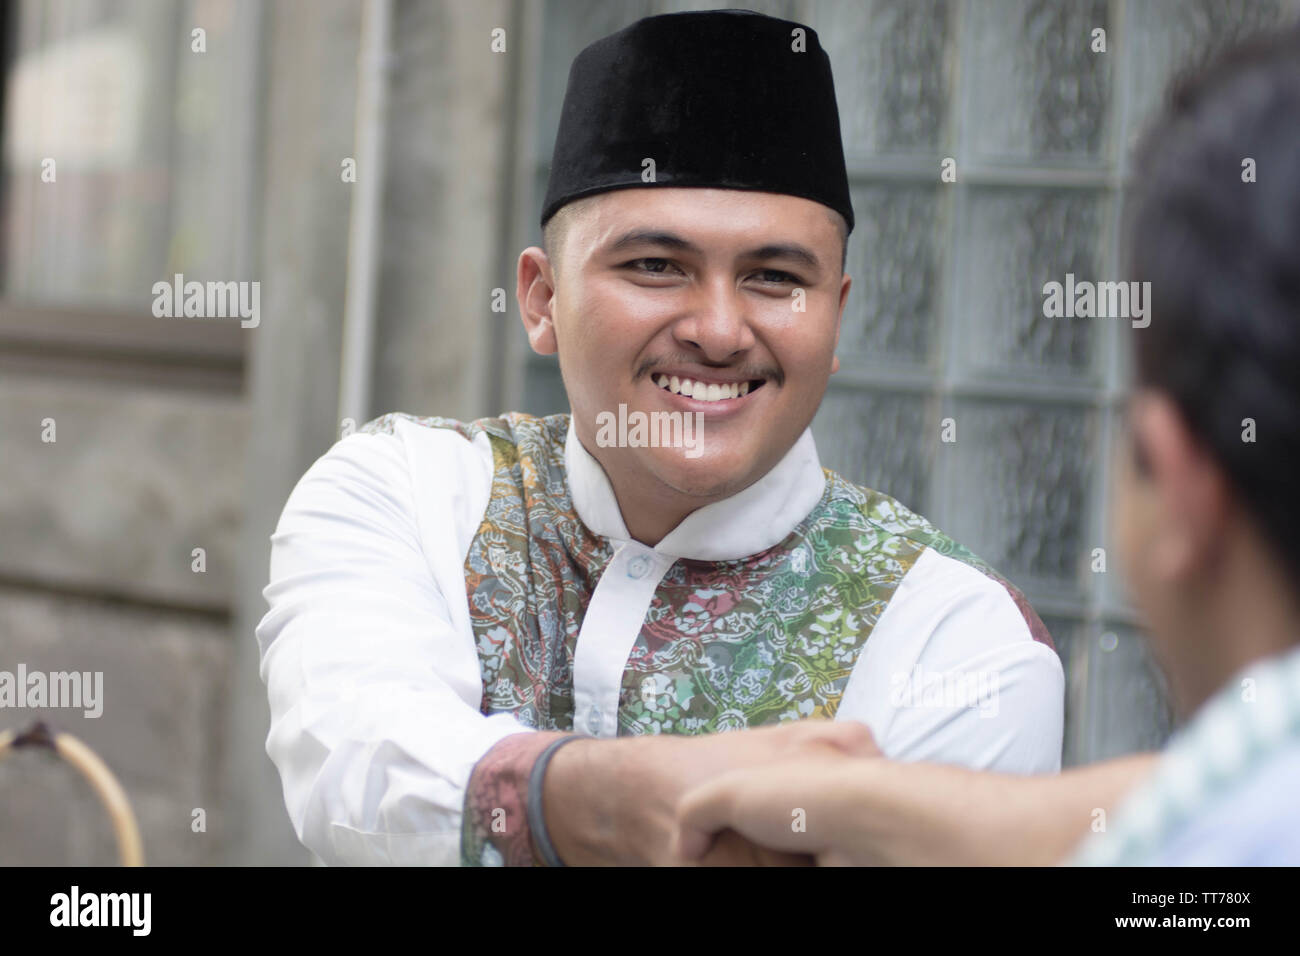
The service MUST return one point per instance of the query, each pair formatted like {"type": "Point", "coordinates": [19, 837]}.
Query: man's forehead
{"type": "Point", "coordinates": [705, 214]}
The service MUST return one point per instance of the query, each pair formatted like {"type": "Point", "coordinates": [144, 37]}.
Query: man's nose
{"type": "Point", "coordinates": [718, 322]}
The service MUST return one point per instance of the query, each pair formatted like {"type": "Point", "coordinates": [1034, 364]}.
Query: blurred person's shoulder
{"type": "Point", "coordinates": [1224, 792]}
{"type": "Point", "coordinates": [1254, 822]}
{"type": "Point", "coordinates": [1241, 756]}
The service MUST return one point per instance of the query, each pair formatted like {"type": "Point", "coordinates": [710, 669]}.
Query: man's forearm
{"type": "Point", "coordinates": [931, 814]}
{"type": "Point", "coordinates": [592, 816]}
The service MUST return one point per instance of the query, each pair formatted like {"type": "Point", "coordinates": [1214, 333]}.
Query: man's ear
{"type": "Point", "coordinates": [845, 282]}
{"type": "Point", "coordinates": [1188, 485]}
{"type": "Point", "coordinates": [535, 290]}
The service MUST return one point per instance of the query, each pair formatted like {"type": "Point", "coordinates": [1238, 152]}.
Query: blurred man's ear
{"type": "Point", "coordinates": [535, 290]}
{"type": "Point", "coordinates": [1183, 483]}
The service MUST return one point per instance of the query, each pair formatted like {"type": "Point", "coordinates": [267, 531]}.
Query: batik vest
{"type": "Point", "coordinates": [764, 639]}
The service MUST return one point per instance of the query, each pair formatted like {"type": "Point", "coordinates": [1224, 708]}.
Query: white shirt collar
{"type": "Point", "coordinates": [748, 522]}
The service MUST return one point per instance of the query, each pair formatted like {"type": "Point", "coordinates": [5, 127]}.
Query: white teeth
{"type": "Point", "coordinates": [700, 391]}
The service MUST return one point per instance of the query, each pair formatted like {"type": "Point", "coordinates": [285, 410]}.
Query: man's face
{"type": "Point", "coordinates": [697, 284]}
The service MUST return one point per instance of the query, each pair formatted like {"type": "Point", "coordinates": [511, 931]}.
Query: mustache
{"type": "Point", "coordinates": [748, 371]}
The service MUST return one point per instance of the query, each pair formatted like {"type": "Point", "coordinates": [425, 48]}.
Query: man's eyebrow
{"type": "Point", "coordinates": [785, 250]}
{"type": "Point", "coordinates": [670, 240]}
{"type": "Point", "coordinates": [653, 237]}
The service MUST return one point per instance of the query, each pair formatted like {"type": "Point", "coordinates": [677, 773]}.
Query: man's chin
{"type": "Point", "coordinates": [708, 477]}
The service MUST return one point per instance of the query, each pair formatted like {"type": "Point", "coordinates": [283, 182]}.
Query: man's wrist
{"type": "Point", "coordinates": [543, 848]}
{"type": "Point", "coordinates": [581, 800]}
{"type": "Point", "coordinates": [495, 826]}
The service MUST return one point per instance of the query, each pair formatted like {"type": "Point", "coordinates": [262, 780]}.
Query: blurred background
{"type": "Point", "coordinates": [221, 155]}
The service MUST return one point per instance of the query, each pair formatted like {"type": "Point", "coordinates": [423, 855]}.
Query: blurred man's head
{"type": "Point", "coordinates": [1208, 516]}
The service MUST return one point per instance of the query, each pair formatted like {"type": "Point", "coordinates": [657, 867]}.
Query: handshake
{"type": "Point", "coordinates": [773, 796]}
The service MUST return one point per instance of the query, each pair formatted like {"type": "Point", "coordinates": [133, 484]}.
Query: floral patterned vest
{"type": "Point", "coordinates": [765, 639]}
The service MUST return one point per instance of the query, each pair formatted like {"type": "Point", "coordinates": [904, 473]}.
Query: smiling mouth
{"type": "Point", "coordinates": [706, 392]}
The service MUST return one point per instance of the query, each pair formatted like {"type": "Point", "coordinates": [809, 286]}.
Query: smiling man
{"type": "Point", "coordinates": [513, 640]}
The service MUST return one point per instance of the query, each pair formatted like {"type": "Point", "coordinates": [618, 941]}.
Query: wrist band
{"type": "Point", "coordinates": [536, 818]}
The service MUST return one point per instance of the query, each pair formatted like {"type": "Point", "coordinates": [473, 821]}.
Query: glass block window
{"type": "Point", "coordinates": [945, 320]}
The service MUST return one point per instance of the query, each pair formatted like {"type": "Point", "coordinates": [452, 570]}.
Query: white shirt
{"type": "Point", "coordinates": [1226, 791]}
{"type": "Point", "coordinates": [373, 675]}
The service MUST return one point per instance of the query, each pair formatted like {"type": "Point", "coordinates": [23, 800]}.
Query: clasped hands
{"type": "Point", "coordinates": [769, 796]}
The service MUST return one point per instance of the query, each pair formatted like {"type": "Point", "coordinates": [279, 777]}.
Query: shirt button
{"type": "Point", "coordinates": [638, 566]}
{"type": "Point", "coordinates": [593, 720]}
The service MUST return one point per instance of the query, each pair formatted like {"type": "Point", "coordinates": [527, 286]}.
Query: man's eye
{"type": "Point", "coordinates": [655, 266]}
{"type": "Point", "coordinates": [776, 275]}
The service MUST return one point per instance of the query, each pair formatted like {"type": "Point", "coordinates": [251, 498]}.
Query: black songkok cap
{"type": "Point", "coordinates": [722, 98]}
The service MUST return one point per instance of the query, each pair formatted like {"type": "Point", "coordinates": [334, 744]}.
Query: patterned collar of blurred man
{"type": "Point", "coordinates": [451, 601]}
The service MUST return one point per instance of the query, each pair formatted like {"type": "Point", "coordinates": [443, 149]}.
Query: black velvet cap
{"type": "Point", "coordinates": [717, 98]}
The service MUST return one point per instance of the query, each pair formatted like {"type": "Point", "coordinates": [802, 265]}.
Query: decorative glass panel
{"type": "Point", "coordinates": [1169, 36]}
{"type": "Point", "coordinates": [1018, 488]}
{"type": "Point", "coordinates": [894, 258]}
{"type": "Point", "coordinates": [1126, 705]}
{"type": "Point", "coordinates": [891, 60]}
{"type": "Point", "coordinates": [876, 439]}
{"type": "Point", "coordinates": [1036, 88]}
{"type": "Point", "coordinates": [1014, 241]}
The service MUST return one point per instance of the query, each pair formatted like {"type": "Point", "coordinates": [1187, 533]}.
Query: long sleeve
{"type": "Point", "coordinates": [952, 674]}
{"type": "Point", "coordinates": [367, 654]}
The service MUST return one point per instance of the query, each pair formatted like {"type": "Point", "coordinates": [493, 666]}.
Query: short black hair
{"type": "Point", "coordinates": [1222, 254]}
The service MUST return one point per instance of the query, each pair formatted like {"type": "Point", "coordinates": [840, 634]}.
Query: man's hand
{"type": "Point", "coordinates": [615, 801]}
{"type": "Point", "coordinates": [729, 848]}
{"type": "Point", "coordinates": [840, 810]}
{"type": "Point", "coordinates": [789, 810]}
